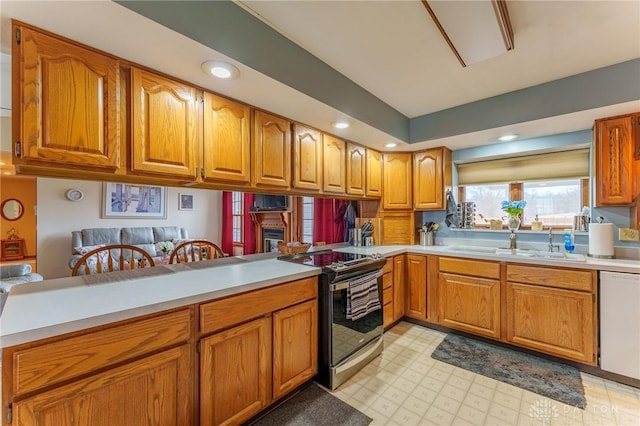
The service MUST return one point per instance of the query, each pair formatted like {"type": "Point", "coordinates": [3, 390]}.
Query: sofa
{"type": "Point", "coordinates": [11, 275]}
{"type": "Point", "coordinates": [150, 239]}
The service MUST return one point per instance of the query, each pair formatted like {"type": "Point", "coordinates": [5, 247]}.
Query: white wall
{"type": "Point", "coordinates": [57, 217]}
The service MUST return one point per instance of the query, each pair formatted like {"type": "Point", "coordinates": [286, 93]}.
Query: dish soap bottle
{"type": "Point", "coordinates": [536, 225]}
{"type": "Point", "coordinates": [568, 241]}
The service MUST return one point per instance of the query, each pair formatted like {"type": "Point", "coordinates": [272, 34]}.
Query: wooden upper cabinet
{"type": "Point", "coordinates": [271, 150]}
{"type": "Point", "coordinates": [226, 140]}
{"type": "Point", "coordinates": [356, 169]}
{"type": "Point", "coordinates": [334, 165]}
{"type": "Point", "coordinates": [307, 158]}
{"type": "Point", "coordinates": [65, 103]}
{"type": "Point", "coordinates": [431, 174]}
{"type": "Point", "coordinates": [374, 173]}
{"type": "Point", "coordinates": [397, 180]}
{"type": "Point", "coordinates": [165, 122]}
{"type": "Point", "coordinates": [614, 161]}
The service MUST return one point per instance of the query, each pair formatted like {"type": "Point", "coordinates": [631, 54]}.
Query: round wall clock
{"type": "Point", "coordinates": [74, 195]}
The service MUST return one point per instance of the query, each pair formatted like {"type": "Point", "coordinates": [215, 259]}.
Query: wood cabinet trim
{"type": "Point", "coordinates": [476, 268]}
{"type": "Point", "coordinates": [572, 279]}
{"type": "Point", "coordinates": [223, 313]}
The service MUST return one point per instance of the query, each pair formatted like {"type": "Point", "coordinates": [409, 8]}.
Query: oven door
{"type": "Point", "coordinates": [348, 336]}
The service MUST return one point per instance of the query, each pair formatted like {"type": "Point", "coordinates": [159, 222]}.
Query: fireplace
{"type": "Point", "coordinates": [270, 239]}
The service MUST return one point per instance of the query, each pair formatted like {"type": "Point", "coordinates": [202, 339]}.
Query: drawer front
{"type": "Point", "coordinates": [387, 314]}
{"type": "Point", "coordinates": [58, 361]}
{"type": "Point", "coordinates": [233, 310]}
{"type": "Point", "coordinates": [387, 295]}
{"type": "Point", "coordinates": [387, 280]}
{"type": "Point", "coordinates": [571, 279]}
{"type": "Point", "coordinates": [476, 268]}
{"type": "Point", "coordinates": [388, 266]}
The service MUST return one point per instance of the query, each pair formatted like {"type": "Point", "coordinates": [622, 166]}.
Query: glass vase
{"type": "Point", "coordinates": [514, 223]}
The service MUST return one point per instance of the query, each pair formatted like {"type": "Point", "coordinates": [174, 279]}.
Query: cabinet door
{"type": "Point", "coordinates": [295, 346]}
{"type": "Point", "coordinates": [154, 390]}
{"type": "Point", "coordinates": [399, 286]}
{"type": "Point", "coordinates": [235, 370]}
{"type": "Point", "coordinates": [226, 140]}
{"type": "Point", "coordinates": [165, 122]}
{"type": "Point", "coordinates": [397, 181]}
{"type": "Point", "coordinates": [271, 157]}
{"type": "Point", "coordinates": [334, 165]}
{"type": "Point", "coordinates": [374, 173]}
{"type": "Point", "coordinates": [430, 175]}
{"type": "Point", "coordinates": [470, 304]}
{"type": "Point", "coordinates": [307, 158]}
{"type": "Point", "coordinates": [564, 321]}
{"type": "Point", "coordinates": [66, 103]}
{"type": "Point", "coordinates": [614, 161]}
{"type": "Point", "coordinates": [356, 169]}
{"type": "Point", "coordinates": [417, 286]}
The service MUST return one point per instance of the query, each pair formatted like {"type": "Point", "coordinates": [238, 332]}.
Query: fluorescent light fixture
{"type": "Point", "coordinates": [341, 124]}
{"type": "Point", "coordinates": [507, 138]}
{"type": "Point", "coordinates": [474, 30]}
{"type": "Point", "coordinates": [220, 69]}
{"type": "Point", "coordinates": [390, 145]}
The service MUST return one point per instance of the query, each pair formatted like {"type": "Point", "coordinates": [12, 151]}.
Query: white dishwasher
{"type": "Point", "coordinates": [620, 323]}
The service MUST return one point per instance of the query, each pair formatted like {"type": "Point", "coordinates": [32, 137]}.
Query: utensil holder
{"type": "Point", "coordinates": [427, 238]}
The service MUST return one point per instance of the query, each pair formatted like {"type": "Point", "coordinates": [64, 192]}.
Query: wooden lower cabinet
{"type": "Point", "coordinates": [295, 346]}
{"type": "Point", "coordinates": [416, 306]}
{"type": "Point", "coordinates": [469, 296]}
{"type": "Point", "coordinates": [235, 368]}
{"type": "Point", "coordinates": [552, 311]}
{"type": "Point", "coordinates": [387, 293]}
{"type": "Point", "coordinates": [399, 286]}
{"type": "Point", "coordinates": [151, 391]}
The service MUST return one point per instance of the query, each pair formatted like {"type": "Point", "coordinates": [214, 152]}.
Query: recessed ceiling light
{"type": "Point", "coordinates": [507, 138]}
{"type": "Point", "coordinates": [341, 124]}
{"type": "Point", "coordinates": [391, 145]}
{"type": "Point", "coordinates": [220, 69]}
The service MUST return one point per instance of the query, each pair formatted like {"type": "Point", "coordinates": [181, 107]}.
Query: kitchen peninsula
{"type": "Point", "coordinates": [150, 323]}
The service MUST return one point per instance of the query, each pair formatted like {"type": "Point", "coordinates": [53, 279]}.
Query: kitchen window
{"type": "Point", "coordinates": [237, 212]}
{"type": "Point", "coordinates": [307, 220]}
{"type": "Point", "coordinates": [554, 185]}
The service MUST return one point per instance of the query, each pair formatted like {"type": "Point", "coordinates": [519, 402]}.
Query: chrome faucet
{"type": "Point", "coordinates": [551, 245]}
{"type": "Point", "coordinates": [512, 240]}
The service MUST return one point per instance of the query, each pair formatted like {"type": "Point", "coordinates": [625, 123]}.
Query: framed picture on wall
{"type": "Point", "coordinates": [124, 200]}
{"type": "Point", "coordinates": [185, 202]}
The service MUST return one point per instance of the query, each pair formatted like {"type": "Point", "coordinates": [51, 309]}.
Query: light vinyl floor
{"type": "Point", "coordinates": [405, 386]}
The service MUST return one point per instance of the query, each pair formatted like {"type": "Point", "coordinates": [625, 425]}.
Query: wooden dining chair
{"type": "Point", "coordinates": [116, 257]}
{"type": "Point", "coordinates": [195, 250]}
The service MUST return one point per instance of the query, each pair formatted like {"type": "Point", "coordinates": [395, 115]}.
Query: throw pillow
{"type": "Point", "coordinates": [87, 249]}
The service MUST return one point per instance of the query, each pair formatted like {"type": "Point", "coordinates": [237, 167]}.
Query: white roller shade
{"type": "Point", "coordinates": [555, 165]}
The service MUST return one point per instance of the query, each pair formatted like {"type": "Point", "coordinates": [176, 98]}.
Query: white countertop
{"type": "Point", "coordinates": [47, 308]}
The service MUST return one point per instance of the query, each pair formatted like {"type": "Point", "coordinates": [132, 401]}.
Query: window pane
{"type": "Point", "coordinates": [488, 199]}
{"type": "Point", "coordinates": [555, 202]}
{"type": "Point", "coordinates": [307, 220]}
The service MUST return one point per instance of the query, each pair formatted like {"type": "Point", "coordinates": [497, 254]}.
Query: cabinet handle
{"type": "Point", "coordinates": [18, 149]}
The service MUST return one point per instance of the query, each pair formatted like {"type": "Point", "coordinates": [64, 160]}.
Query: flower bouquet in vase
{"type": "Point", "coordinates": [514, 210]}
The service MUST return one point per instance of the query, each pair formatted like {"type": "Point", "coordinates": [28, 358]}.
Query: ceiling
{"type": "Point", "coordinates": [390, 51]}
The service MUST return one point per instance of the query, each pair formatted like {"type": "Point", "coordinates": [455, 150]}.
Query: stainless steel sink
{"type": "Point", "coordinates": [473, 249]}
{"type": "Point", "coordinates": [572, 257]}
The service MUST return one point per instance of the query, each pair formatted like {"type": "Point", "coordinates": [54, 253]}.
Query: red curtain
{"type": "Point", "coordinates": [227, 223]}
{"type": "Point", "coordinates": [249, 228]}
{"type": "Point", "coordinates": [328, 220]}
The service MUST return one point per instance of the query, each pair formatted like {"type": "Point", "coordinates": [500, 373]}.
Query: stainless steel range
{"type": "Point", "coordinates": [348, 340]}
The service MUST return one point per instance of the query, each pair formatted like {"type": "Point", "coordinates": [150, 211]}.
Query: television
{"type": "Point", "coordinates": [270, 202]}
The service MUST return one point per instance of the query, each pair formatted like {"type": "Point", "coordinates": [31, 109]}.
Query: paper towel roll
{"type": "Point", "coordinates": [601, 240]}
